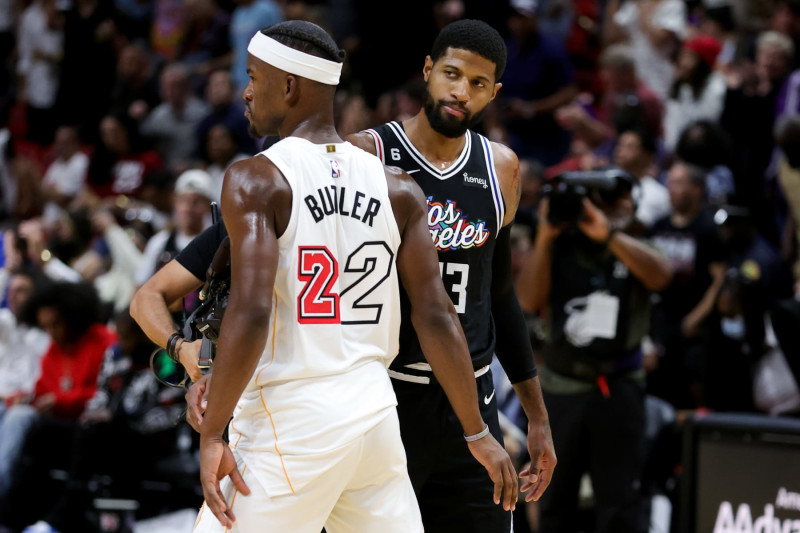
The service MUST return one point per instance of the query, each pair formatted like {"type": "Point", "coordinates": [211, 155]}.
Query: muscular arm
{"type": "Point", "coordinates": [251, 189]}
{"type": "Point", "coordinates": [439, 331]}
{"type": "Point", "coordinates": [432, 313]}
{"type": "Point", "coordinates": [513, 345]}
{"type": "Point", "coordinates": [151, 304]}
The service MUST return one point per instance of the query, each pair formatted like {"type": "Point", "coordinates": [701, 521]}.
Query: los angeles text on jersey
{"type": "Point", "coordinates": [331, 200]}
{"type": "Point", "coordinates": [451, 229]}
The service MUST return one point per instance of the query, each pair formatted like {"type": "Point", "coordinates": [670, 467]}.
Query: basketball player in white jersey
{"type": "Point", "coordinates": [320, 232]}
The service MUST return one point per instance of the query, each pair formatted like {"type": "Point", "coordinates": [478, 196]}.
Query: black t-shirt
{"type": "Point", "coordinates": [598, 311]}
{"type": "Point", "coordinates": [690, 250]}
{"type": "Point", "coordinates": [198, 254]}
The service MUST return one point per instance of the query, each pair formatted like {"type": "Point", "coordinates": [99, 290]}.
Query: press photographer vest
{"type": "Point", "coordinates": [598, 311]}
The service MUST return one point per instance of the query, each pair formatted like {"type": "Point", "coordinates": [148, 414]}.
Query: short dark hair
{"type": "Point", "coordinates": [306, 37]}
{"type": "Point", "coordinates": [474, 36]}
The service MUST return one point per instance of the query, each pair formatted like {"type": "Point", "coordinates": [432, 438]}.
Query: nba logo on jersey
{"type": "Point", "coordinates": [336, 171]}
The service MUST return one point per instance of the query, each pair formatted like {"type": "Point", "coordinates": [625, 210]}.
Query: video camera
{"type": "Point", "coordinates": [204, 322]}
{"type": "Point", "coordinates": [567, 190]}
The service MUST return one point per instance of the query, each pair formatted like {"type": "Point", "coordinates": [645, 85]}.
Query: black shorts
{"type": "Point", "coordinates": [454, 490]}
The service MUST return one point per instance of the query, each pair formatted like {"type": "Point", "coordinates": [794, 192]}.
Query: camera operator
{"type": "Point", "coordinates": [592, 282]}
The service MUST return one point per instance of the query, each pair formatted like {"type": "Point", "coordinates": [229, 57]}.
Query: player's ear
{"type": "Point", "coordinates": [495, 91]}
{"type": "Point", "coordinates": [291, 89]}
{"type": "Point", "coordinates": [426, 70]}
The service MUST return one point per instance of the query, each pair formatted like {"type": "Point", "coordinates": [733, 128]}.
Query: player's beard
{"type": "Point", "coordinates": [445, 123]}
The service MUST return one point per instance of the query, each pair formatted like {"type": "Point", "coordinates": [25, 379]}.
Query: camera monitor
{"type": "Point", "coordinates": [741, 472]}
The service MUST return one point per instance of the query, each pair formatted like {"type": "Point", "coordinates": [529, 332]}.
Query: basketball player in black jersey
{"type": "Point", "coordinates": [472, 187]}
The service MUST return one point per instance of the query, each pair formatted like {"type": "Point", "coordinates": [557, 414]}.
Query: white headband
{"type": "Point", "coordinates": [294, 61]}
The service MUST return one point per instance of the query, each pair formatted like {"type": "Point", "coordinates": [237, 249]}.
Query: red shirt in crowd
{"type": "Point", "coordinates": [71, 374]}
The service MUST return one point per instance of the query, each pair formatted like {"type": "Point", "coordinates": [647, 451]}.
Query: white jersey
{"type": "Point", "coordinates": [321, 381]}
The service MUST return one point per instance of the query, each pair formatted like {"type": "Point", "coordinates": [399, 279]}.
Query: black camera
{"type": "Point", "coordinates": [567, 190]}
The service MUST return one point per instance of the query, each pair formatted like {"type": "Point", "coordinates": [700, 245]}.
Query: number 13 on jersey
{"type": "Point", "coordinates": [458, 287]}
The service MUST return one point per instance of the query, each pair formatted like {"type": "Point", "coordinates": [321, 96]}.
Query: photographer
{"type": "Point", "coordinates": [592, 282]}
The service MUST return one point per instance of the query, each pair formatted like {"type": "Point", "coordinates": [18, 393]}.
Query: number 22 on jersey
{"type": "Point", "coordinates": [364, 271]}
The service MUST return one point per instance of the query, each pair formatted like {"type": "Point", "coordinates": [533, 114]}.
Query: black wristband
{"type": "Point", "coordinates": [171, 342]}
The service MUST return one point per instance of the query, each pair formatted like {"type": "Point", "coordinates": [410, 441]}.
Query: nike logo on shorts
{"type": "Point", "coordinates": [488, 399]}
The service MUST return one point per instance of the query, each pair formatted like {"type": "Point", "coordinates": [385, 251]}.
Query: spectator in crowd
{"type": "Point", "coordinates": [191, 215]}
{"type": "Point", "coordinates": [131, 413]}
{"type": "Point", "coordinates": [755, 258]}
{"type": "Point", "coordinates": [206, 43]}
{"type": "Point", "coordinates": [65, 177]}
{"type": "Point", "coordinates": [122, 159]}
{"type": "Point", "coordinates": [40, 44]}
{"type": "Point", "coordinates": [172, 124]}
{"type": "Point", "coordinates": [226, 108]}
{"type": "Point", "coordinates": [691, 243]}
{"type": "Point", "coordinates": [655, 31]}
{"type": "Point", "coordinates": [593, 282]}
{"type": "Point", "coordinates": [248, 17]}
{"type": "Point", "coordinates": [787, 137]}
{"type": "Point", "coordinates": [635, 153]}
{"type": "Point", "coordinates": [135, 90]}
{"type": "Point", "coordinates": [749, 118]}
{"type": "Point", "coordinates": [21, 346]}
{"type": "Point", "coordinates": [626, 102]}
{"type": "Point", "coordinates": [538, 80]}
{"type": "Point", "coordinates": [705, 144]}
{"type": "Point", "coordinates": [167, 28]}
{"type": "Point", "coordinates": [69, 313]}
{"type": "Point", "coordinates": [698, 90]}
{"type": "Point", "coordinates": [221, 152]}
{"type": "Point", "coordinates": [89, 32]}
{"type": "Point", "coordinates": [718, 20]}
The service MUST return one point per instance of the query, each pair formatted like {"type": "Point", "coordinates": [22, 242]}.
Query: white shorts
{"type": "Point", "coordinates": [366, 490]}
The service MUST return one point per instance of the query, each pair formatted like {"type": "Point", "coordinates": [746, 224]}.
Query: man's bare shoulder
{"type": "Point", "coordinates": [253, 179]}
{"type": "Point", "coordinates": [506, 163]}
{"type": "Point", "coordinates": [505, 159]}
{"type": "Point", "coordinates": [362, 140]}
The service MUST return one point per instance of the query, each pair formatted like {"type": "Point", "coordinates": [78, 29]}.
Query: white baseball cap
{"type": "Point", "coordinates": [195, 181]}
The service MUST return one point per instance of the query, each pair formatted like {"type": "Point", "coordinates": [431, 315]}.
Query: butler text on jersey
{"type": "Point", "coordinates": [338, 200]}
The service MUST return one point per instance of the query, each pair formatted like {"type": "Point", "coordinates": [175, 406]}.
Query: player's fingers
{"type": "Point", "coordinates": [498, 487]}
{"type": "Point", "coordinates": [216, 502]}
{"type": "Point", "coordinates": [238, 482]}
{"type": "Point", "coordinates": [511, 487]}
{"type": "Point", "coordinates": [544, 481]}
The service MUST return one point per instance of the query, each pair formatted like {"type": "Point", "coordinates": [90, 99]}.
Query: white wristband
{"type": "Point", "coordinates": [477, 436]}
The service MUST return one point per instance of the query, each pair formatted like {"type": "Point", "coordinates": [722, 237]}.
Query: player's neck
{"type": "Point", "coordinates": [437, 149]}
{"type": "Point", "coordinates": [317, 128]}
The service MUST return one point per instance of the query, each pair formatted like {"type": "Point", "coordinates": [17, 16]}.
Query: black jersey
{"type": "Point", "coordinates": [465, 213]}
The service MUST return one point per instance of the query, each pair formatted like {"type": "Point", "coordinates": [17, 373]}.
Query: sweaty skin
{"type": "Point", "coordinates": [256, 202]}
{"type": "Point", "coordinates": [463, 82]}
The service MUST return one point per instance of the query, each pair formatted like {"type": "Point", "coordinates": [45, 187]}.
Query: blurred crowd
{"type": "Point", "coordinates": [118, 120]}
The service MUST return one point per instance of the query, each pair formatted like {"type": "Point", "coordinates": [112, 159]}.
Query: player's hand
{"type": "Point", "coordinates": [538, 473]}
{"type": "Point", "coordinates": [216, 462]}
{"type": "Point", "coordinates": [196, 402]}
{"type": "Point", "coordinates": [188, 353]}
{"type": "Point", "coordinates": [496, 461]}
